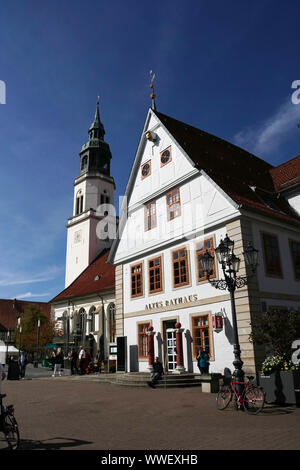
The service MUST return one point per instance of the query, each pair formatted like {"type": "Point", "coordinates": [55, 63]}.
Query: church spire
{"type": "Point", "coordinates": [96, 130]}
{"type": "Point", "coordinates": [95, 154]}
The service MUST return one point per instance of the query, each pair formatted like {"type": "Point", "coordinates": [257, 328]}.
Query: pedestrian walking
{"type": "Point", "coordinates": [22, 364]}
{"type": "Point", "coordinates": [58, 363]}
{"type": "Point", "coordinates": [74, 359]}
{"type": "Point", "coordinates": [82, 360]}
{"type": "Point", "coordinates": [2, 375]}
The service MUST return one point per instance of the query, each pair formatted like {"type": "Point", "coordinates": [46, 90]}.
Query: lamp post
{"type": "Point", "coordinates": [230, 266]}
{"type": "Point", "coordinates": [36, 363]}
{"type": "Point", "coordinates": [7, 341]}
{"type": "Point", "coordinates": [20, 333]}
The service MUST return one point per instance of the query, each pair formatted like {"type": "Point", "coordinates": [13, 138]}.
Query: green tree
{"type": "Point", "coordinates": [277, 329]}
{"type": "Point", "coordinates": [29, 323]}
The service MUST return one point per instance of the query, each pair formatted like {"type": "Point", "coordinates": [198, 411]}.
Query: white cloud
{"type": "Point", "coordinates": [29, 295]}
{"type": "Point", "coordinates": [273, 132]}
{"type": "Point", "coordinates": [11, 279]}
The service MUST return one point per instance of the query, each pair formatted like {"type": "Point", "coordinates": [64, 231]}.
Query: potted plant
{"type": "Point", "coordinates": [279, 376]}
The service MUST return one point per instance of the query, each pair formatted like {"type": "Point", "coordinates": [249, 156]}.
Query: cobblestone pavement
{"type": "Point", "coordinates": [61, 413]}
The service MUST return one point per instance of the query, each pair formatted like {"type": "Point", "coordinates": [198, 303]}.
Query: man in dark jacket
{"type": "Point", "coordinates": [157, 373]}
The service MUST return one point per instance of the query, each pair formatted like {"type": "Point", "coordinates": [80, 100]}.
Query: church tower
{"type": "Point", "coordinates": [93, 189]}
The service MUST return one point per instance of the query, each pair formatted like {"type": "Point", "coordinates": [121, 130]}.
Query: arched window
{"type": "Point", "coordinates": [111, 313]}
{"type": "Point", "coordinates": [81, 323]}
{"type": "Point", "coordinates": [79, 203]}
{"type": "Point", "coordinates": [91, 318]}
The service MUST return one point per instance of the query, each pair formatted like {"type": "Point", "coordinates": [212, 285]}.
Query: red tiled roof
{"type": "Point", "coordinates": [235, 170]}
{"type": "Point", "coordinates": [10, 310]}
{"type": "Point", "coordinates": [85, 283]}
{"type": "Point", "coordinates": [287, 174]}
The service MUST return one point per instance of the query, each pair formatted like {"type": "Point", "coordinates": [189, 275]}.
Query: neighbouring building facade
{"type": "Point", "coordinates": [186, 191]}
{"type": "Point", "coordinates": [85, 310]}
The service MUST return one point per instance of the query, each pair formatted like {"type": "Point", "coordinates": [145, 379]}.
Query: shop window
{"type": "Point", "coordinates": [137, 280]}
{"type": "Point", "coordinates": [271, 255]}
{"type": "Point", "coordinates": [173, 204]}
{"type": "Point", "coordinates": [143, 340]}
{"type": "Point", "coordinates": [150, 216]}
{"type": "Point", "coordinates": [295, 252]}
{"type": "Point", "coordinates": [200, 334]}
{"type": "Point", "coordinates": [155, 275]}
{"type": "Point", "coordinates": [201, 247]}
{"type": "Point", "coordinates": [180, 267]}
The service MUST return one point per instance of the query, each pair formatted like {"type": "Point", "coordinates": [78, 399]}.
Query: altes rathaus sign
{"type": "Point", "coordinates": [173, 302]}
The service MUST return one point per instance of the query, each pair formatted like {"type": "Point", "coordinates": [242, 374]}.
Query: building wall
{"type": "Point", "coordinates": [59, 308]}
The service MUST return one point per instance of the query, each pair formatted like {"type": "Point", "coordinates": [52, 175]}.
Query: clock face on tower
{"type": "Point", "coordinates": [77, 236]}
{"type": "Point", "coordinates": [165, 156]}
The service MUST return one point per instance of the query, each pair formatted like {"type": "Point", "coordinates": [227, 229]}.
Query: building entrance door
{"type": "Point", "coordinates": [171, 349]}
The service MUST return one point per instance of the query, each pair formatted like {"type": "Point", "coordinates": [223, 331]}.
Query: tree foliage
{"type": "Point", "coordinates": [277, 328]}
{"type": "Point", "coordinates": [29, 323]}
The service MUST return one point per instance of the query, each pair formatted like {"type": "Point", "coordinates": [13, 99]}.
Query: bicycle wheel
{"type": "Point", "coordinates": [254, 400]}
{"type": "Point", "coordinates": [223, 398]}
{"type": "Point", "coordinates": [11, 432]}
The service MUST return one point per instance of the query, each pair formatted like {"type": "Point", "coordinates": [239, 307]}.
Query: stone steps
{"type": "Point", "coordinates": [140, 379]}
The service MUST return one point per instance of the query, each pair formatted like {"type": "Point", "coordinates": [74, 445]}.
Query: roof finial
{"type": "Point", "coordinates": [152, 96]}
{"type": "Point", "coordinates": [98, 99]}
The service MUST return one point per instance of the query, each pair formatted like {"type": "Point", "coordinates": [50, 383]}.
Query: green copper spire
{"type": "Point", "coordinates": [95, 154]}
{"type": "Point", "coordinates": [96, 130]}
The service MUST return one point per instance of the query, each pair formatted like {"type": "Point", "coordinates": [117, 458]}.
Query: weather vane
{"type": "Point", "coordinates": [152, 96]}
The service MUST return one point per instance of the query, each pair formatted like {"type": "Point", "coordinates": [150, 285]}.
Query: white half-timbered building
{"type": "Point", "coordinates": [186, 191]}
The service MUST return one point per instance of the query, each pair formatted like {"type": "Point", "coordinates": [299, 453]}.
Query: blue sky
{"type": "Point", "coordinates": [225, 67]}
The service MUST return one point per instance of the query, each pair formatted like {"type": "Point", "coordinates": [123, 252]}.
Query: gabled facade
{"type": "Point", "coordinates": [186, 191]}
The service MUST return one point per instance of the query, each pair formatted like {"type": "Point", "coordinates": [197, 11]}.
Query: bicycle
{"type": "Point", "coordinates": [251, 397]}
{"type": "Point", "coordinates": [9, 425]}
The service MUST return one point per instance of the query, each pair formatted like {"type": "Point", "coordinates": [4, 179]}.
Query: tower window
{"type": "Point", "coordinates": [104, 199]}
{"type": "Point", "coordinates": [79, 205]}
{"type": "Point", "coordinates": [84, 162]}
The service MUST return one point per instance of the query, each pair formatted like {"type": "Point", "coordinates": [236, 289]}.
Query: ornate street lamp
{"type": "Point", "coordinates": [7, 341]}
{"type": "Point", "coordinates": [36, 363]}
{"type": "Point", "coordinates": [20, 334]}
{"type": "Point", "coordinates": [230, 265]}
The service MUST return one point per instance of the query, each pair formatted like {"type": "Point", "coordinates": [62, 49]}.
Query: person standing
{"type": "Point", "coordinates": [74, 359]}
{"type": "Point", "coordinates": [2, 375]}
{"type": "Point", "coordinates": [203, 362]}
{"type": "Point", "coordinates": [82, 360]}
{"type": "Point", "coordinates": [22, 364]}
{"type": "Point", "coordinates": [59, 360]}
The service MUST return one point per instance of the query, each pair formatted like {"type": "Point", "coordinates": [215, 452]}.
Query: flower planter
{"type": "Point", "coordinates": [281, 387]}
